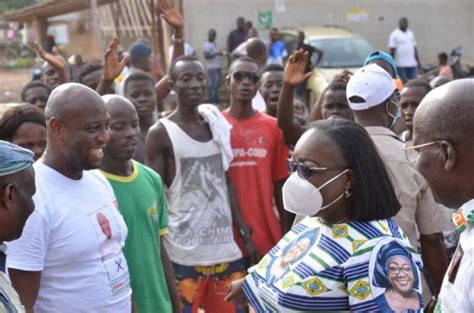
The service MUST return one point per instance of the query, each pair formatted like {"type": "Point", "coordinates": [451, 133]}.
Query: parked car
{"type": "Point", "coordinates": [342, 48]}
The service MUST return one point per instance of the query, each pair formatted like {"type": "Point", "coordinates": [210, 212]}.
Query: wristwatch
{"type": "Point", "coordinates": [178, 40]}
{"type": "Point", "coordinates": [245, 232]}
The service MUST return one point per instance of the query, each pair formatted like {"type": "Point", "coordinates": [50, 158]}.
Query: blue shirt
{"type": "Point", "coordinates": [276, 52]}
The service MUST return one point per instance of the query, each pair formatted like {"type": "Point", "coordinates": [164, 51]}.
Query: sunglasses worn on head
{"type": "Point", "coordinates": [240, 76]}
{"type": "Point", "coordinates": [306, 171]}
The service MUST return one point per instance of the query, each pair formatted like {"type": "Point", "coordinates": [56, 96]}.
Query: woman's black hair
{"type": "Point", "coordinates": [373, 196]}
{"type": "Point", "coordinates": [16, 116]}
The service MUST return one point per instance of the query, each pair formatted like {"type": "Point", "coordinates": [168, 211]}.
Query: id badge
{"type": "Point", "coordinates": [117, 272]}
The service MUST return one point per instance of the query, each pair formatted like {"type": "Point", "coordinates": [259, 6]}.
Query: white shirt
{"type": "Point", "coordinates": [216, 61]}
{"type": "Point", "coordinates": [404, 44]}
{"type": "Point", "coordinates": [457, 291]}
{"type": "Point", "coordinates": [75, 238]}
{"type": "Point", "coordinates": [200, 217]}
{"type": "Point", "coordinates": [188, 50]}
{"type": "Point", "coordinates": [258, 103]}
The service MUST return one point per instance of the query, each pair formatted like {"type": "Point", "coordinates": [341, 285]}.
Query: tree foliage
{"type": "Point", "coordinates": [12, 5]}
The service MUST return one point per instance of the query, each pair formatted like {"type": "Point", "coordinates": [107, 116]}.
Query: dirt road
{"type": "Point", "coordinates": [11, 82]}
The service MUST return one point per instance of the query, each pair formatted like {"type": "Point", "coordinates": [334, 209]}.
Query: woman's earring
{"type": "Point", "coordinates": [348, 193]}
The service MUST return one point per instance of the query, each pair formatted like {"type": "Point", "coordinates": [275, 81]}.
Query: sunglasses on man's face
{"type": "Point", "coordinates": [240, 76]}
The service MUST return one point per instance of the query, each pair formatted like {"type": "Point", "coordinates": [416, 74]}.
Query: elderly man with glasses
{"type": "Point", "coordinates": [373, 97]}
{"type": "Point", "coordinates": [443, 128]}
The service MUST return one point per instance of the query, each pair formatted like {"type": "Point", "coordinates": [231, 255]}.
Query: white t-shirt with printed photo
{"type": "Point", "coordinates": [75, 238]}
{"type": "Point", "coordinates": [404, 44]}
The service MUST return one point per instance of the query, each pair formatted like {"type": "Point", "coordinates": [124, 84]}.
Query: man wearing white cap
{"type": "Point", "coordinates": [373, 97]}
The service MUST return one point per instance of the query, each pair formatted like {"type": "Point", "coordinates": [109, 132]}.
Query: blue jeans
{"type": "Point", "coordinates": [407, 73]}
{"type": "Point", "coordinates": [213, 78]}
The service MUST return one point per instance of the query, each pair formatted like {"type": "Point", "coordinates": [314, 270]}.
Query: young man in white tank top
{"type": "Point", "coordinates": [201, 205]}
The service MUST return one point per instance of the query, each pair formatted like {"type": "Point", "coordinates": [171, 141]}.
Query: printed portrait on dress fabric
{"type": "Point", "coordinates": [292, 253]}
{"type": "Point", "coordinates": [395, 278]}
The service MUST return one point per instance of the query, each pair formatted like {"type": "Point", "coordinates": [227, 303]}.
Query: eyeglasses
{"type": "Point", "coordinates": [410, 151]}
{"type": "Point", "coordinates": [306, 171]}
{"type": "Point", "coordinates": [395, 270]}
{"type": "Point", "coordinates": [240, 76]}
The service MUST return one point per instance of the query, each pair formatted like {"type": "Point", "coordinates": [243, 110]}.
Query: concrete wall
{"type": "Point", "coordinates": [439, 25]}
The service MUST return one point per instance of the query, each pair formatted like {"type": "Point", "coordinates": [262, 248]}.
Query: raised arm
{"type": "Point", "coordinates": [174, 18]}
{"type": "Point", "coordinates": [112, 67]}
{"type": "Point", "coordinates": [293, 75]}
{"type": "Point", "coordinates": [56, 60]}
{"type": "Point", "coordinates": [320, 53]}
{"type": "Point", "coordinates": [316, 114]}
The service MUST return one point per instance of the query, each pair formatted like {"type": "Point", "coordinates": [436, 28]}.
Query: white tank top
{"type": "Point", "coordinates": [200, 219]}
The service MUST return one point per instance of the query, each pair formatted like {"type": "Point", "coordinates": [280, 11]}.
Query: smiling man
{"type": "Point", "coordinates": [58, 265]}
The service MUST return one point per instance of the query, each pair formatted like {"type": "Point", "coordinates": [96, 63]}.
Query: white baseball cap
{"type": "Point", "coordinates": [371, 83]}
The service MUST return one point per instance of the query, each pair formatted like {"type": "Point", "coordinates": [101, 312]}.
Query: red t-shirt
{"type": "Point", "coordinates": [260, 155]}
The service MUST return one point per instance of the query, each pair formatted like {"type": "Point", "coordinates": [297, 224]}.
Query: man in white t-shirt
{"type": "Point", "coordinates": [402, 46]}
{"type": "Point", "coordinates": [69, 258]}
{"type": "Point", "coordinates": [213, 55]}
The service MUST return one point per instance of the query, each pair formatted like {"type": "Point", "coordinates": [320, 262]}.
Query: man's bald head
{"type": "Point", "coordinates": [257, 50]}
{"type": "Point", "coordinates": [116, 104]}
{"type": "Point", "coordinates": [124, 130]}
{"type": "Point", "coordinates": [443, 128]}
{"type": "Point", "coordinates": [447, 113]}
{"type": "Point", "coordinates": [67, 100]}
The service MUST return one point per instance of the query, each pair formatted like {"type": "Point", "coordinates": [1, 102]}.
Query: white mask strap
{"type": "Point", "coordinates": [333, 179]}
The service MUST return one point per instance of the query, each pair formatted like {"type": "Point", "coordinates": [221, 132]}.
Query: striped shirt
{"type": "Point", "coordinates": [343, 267]}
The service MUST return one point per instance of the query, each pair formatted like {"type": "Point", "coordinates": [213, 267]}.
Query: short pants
{"type": "Point", "coordinates": [205, 287]}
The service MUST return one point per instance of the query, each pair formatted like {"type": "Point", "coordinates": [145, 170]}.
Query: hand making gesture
{"type": "Point", "coordinates": [112, 66]}
{"type": "Point", "coordinates": [54, 59]}
{"type": "Point", "coordinates": [342, 77]}
{"type": "Point", "coordinates": [171, 15]}
{"type": "Point", "coordinates": [294, 73]}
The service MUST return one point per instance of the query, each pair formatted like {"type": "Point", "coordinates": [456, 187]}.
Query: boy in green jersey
{"type": "Point", "coordinates": [139, 192]}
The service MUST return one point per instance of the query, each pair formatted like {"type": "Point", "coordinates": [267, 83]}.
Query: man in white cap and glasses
{"type": "Point", "coordinates": [17, 187]}
{"type": "Point", "coordinates": [374, 99]}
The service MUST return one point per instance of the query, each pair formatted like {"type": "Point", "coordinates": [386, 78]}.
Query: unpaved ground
{"type": "Point", "coordinates": [11, 82]}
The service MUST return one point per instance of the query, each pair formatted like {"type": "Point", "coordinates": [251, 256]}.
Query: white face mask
{"type": "Point", "coordinates": [303, 198]}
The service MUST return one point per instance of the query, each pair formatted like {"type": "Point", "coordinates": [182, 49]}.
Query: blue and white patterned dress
{"type": "Point", "coordinates": [342, 267]}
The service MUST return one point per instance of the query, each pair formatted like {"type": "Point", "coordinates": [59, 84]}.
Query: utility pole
{"type": "Point", "coordinates": [95, 25]}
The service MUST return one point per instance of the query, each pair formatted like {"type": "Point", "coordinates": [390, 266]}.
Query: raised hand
{"type": "Point", "coordinates": [342, 77]}
{"type": "Point", "coordinates": [55, 59]}
{"type": "Point", "coordinates": [171, 15]}
{"type": "Point", "coordinates": [112, 66]}
{"type": "Point", "coordinates": [294, 73]}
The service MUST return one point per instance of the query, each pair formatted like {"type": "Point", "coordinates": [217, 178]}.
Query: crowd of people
{"type": "Point", "coordinates": [109, 203]}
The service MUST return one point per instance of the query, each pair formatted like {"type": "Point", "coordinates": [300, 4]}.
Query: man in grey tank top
{"type": "Point", "coordinates": [201, 204]}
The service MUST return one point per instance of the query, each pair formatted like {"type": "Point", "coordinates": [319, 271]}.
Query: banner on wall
{"type": "Point", "coordinates": [264, 19]}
